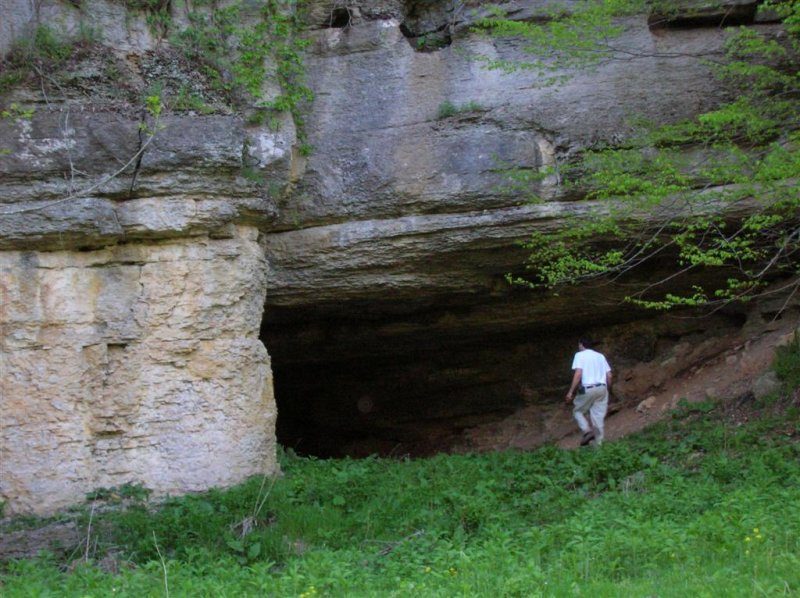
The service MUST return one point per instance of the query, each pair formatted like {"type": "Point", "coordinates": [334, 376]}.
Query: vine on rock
{"type": "Point", "coordinates": [238, 49]}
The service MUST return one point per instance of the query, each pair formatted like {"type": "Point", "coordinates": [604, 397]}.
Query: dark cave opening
{"type": "Point", "coordinates": [397, 374]}
{"type": "Point", "coordinates": [355, 381]}
{"type": "Point", "coordinates": [411, 383]}
{"type": "Point", "coordinates": [429, 41]}
{"type": "Point", "coordinates": [396, 401]}
{"type": "Point", "coordinates": [364, 381]}
{"type": "Point", "coordinates": [702, 17]}
{"type": "Point", "coordinates": [340, 18]}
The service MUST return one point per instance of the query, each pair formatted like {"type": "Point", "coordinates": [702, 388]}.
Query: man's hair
{"type": "Point", "coordinates": [586, 341]}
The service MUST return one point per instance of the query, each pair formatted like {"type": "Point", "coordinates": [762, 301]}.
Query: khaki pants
{"type": "Point", "coordinates": [595, 403]}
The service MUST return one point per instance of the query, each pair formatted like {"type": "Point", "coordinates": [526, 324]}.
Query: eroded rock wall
{"type": "Point", "coordinates": [132, 268]}
{"type": "Point", "coordinates": [138, 363]}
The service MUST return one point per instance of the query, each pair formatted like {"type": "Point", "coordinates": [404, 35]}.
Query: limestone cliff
{"type": "Point", "coordinates": [133, 272]}
{"type": "Point", "coordinates": [134, 306]}
{"type": "Point", "coordinates": [139, 363]}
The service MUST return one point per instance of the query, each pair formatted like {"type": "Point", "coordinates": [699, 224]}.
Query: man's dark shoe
{"type": "Point", "coordinates": [587, 438]}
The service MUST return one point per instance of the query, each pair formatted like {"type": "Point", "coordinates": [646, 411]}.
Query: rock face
{"type": "Point", "coordinates": [136, 363]}
{"type": "Point", "coordinates": [133, 274]}
{"type": "Point", "coordinates": [133, 306]}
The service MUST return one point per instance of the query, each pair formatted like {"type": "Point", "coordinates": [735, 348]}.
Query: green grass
{"type": "Point", "coordinates": [692, 507]}
{"type": "Point", "coordinates": [448, 109]}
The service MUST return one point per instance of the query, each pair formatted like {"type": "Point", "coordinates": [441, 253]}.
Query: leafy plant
{"type": "Point", "coordinates": [669, 509]}
{"type": "Point", "coordinates": [48, 45]}
{"type": "Point", "coordinates": [448, 109]}
{"type": "Point", "coordinates": [234, 54]}
{"type": "Point", "coordinates": [43, 54]}
{"type": "Point", "coordinates": [254, 175]}
{"type": "Point", "coordinates": [44, 50]}
{"type": "Point", "coordinates": [17, 112]}
{"type": "Point", "coordinates": [190, 101]}
{"type": "Point", "coordinates": [432, 41]}
{"type": "Point", "coordinates": [14, 112]}
{"type": "Point", "coordinates": [305, 149]}
{"type": "Point", "coordinates": [559, 38]}
{"type": "Point", "coordinates": [653, 199]}
{"type": "Point", "coordinates": [158, 15]}
{"type": "Point", "coordinates": [132, 492]}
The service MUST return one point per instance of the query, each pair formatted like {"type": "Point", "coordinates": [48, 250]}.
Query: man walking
{"type": "Point", "coordinates": [591, 381]}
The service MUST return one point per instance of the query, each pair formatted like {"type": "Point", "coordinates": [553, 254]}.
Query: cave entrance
{"type": "Point", "coordinates": [410, 384]}
{"type": "Point", "coordinates": [357, 380]}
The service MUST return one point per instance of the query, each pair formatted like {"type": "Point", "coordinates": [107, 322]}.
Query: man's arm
{"type": "Point", "coordinates": [576, 381]}
{"type": "Point", "coordinates": [609, 379]}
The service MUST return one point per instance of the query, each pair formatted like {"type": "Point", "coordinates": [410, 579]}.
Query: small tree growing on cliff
{"type": "Point", "coordinates": [735, 208]}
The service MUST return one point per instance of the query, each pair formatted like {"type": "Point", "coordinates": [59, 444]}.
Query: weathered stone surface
{"type": "Point", "coordinates": [388, 280]}
{"type": "Point", "coordinates": [131, 304]}
{"type": "Point", "coordinates": [18, 16]}
{"type": "Point", "coordinates": [138, 363]}
{"type": "Point", "coordinates": [766, 385]}
{"type": "Point", "coordinates": [390, 184]}
{"type": "Point", "coordinates": [73, 179]}
{"type": "Point", "coordinates": [382, 151]}
{"type": "Point", "coordinates": [412, 224]}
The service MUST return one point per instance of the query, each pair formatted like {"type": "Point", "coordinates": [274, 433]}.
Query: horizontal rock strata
{"type": "Point", "coordinates": [387, 278]}
{"type": "Point", "coordinates": [134, 364]}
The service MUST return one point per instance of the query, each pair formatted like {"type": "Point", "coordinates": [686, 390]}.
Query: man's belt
{"type": "Point", "coordinates": [593, 385]}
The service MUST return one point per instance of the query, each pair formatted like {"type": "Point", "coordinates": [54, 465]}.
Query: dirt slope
{"type": "Point", "coordinates": [734, 366]}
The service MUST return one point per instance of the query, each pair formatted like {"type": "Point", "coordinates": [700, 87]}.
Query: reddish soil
{"type": "Point", "coordinates": [732, 368]}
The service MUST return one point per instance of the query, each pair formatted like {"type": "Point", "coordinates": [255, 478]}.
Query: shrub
{"type": "Point", "coordinates": [49, 46]}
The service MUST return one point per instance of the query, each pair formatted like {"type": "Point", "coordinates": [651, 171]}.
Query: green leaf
{"type": "Point", "coordinates": [254, 550]}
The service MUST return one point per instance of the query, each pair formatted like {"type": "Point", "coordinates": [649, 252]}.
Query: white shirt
{"type": "Point", "coordinates": [593, 366]}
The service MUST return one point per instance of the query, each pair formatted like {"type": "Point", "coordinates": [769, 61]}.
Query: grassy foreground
{"type": "Point", "coordinates": [700, 505]}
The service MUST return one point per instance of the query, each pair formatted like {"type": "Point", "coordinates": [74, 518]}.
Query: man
{"type": "Point", "coordinates": [593, 376]}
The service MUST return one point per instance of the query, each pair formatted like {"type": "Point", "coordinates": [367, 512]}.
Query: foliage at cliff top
{"type": "Point", "coordinates": [233, 51]}
{"type": "Point", "coordinates": [717, 192]}
{"type": "Point", "coordinates": [240, 47]}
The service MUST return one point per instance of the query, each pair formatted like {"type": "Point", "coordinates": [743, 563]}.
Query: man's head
{"type": "Point", "coordinates": [586, 342]}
